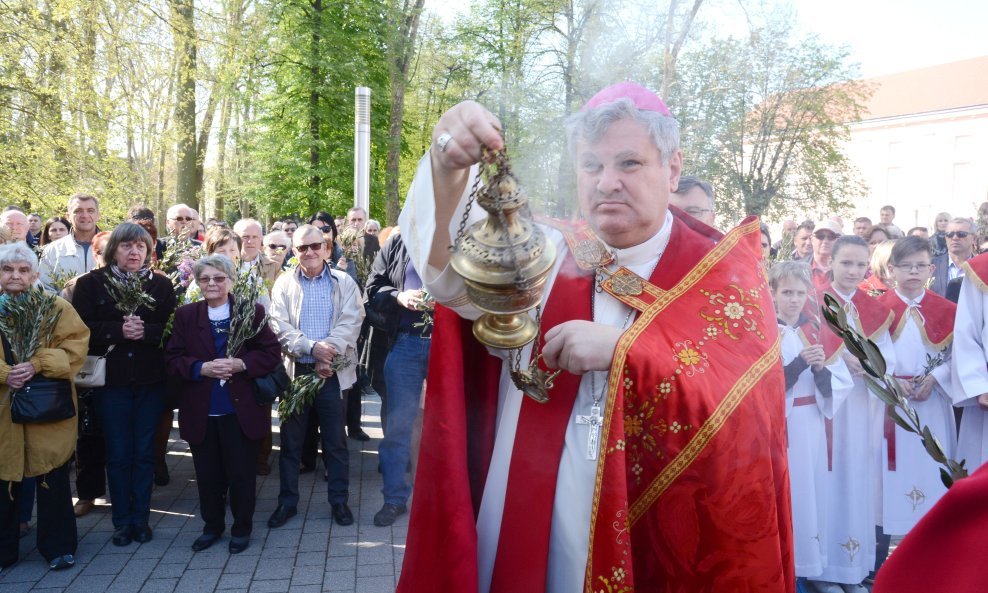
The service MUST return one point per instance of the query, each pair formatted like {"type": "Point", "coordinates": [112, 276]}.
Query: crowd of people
{"type": "Point", "coordinates": [165, 348]}
{"type": "Point", "coordinates": [717, 466]}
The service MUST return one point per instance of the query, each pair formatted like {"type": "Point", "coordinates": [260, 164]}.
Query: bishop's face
{"type": "Point", "coordinates": [622, 184]}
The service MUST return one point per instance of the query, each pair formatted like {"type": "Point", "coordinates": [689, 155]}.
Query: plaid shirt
{"type": "Point", "coordinates": [316, 317]}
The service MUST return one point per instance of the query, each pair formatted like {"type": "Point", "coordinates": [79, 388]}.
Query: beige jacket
{"type": "Point", "coordinates": [28, 450]}
{"type": "Point", "coordinates": [348, 315]}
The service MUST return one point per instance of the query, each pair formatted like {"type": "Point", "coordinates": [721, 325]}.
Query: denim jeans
{"type": "Point", "coordinates": [330, 409]}
{"type": "Point", "coordinates": [129, 416]}
{"type": "Point", "coordinates": [404, 372]}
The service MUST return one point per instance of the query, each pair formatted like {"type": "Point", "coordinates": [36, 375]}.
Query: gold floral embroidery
{"type": "Point", "coordinates": [633, 426]}
{"type": "Point", "coordinates": [734, 309]}
{"type": "Point", "coordinates": [613, 585]}
{"type": "Point", "coordinates": [690, 357]}
{"type": "Point", "coordinates": [618, 574]}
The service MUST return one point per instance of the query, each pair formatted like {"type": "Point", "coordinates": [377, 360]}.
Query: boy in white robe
{"type": "Point", "coordinates": [922, 330]}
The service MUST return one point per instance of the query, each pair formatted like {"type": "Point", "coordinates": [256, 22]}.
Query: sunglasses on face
{"type": "Point", "coordinates": [958, 234]}
{"type": "Point", "coordinates": [326, 229]}
{"type": "Point", "coordinates": [312, 246]}
{"type": "Point", "coordinates": [825, 236]}
{"type": "Point", "coordinates": [277, 247]}
{"type": "Point", "coordinates": [183, 218]}
{"type": "Point", "coordinates": [206, 280]}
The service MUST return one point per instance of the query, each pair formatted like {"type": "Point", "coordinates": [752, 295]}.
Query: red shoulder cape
{"type": "Point", "coordinates": [937, 324]}
{"type": "Point", "coordinates": [977, 269]}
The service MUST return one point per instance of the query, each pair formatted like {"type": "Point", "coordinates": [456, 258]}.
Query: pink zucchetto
{"type": "Point", "coordinates": [643, 98]}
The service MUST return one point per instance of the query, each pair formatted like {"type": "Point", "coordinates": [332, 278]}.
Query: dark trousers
{"type": "Point", "coordinates": [353, 408]}
{"type": "Point", "coordinates": [90, 466]}
{"type": "Point", "coordinates": [225, 463]}
{"type": "Point", "coordinates": [129, 416]}
{"type": "Point", "coordinates": [310, 445]}
{"type": "Point", "coordinates": [329, 405]}
{"type": "Point", "coordinates": [56, 522]}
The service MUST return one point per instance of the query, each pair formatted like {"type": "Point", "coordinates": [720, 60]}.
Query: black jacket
{"type": "Point", "coordinates": [385, 281]}
{"type": "Point", "coordinates": [132, 362]}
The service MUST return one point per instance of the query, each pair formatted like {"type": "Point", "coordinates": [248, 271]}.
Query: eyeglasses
{"type": "Point", "coordinates": [825, 236]}
{"type": "Point", "coordinates": [912, 267]}
{"type": "Point", "coordinates": [694, 212]}
{"type": "Point", "coordinates": [274, 247]}
{"type": "Point", "coordinates": [183, 218]}
{"type": "Point", "coordinates": [958, 234]}
{"type": "Point", "coordinates": [312, 246]}
{"type": "Point", "coordinates": [204, 280]}
{"type": "Point", "coordinates": [326, 229]}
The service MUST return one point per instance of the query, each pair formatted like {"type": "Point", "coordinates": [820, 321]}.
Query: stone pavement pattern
{"type": "Point", "coordinates": [308, 554]}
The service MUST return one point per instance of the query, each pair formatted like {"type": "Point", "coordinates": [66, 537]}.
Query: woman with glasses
{"type": "Point", "coordinates": [217, 413]}
{"type": "Point", "coordinates": [131, 402]}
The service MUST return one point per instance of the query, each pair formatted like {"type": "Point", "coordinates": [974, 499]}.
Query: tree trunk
{"type": "Point", "coordinates": [183, 30]}
{"type": "Point", "coordinates": [225, 113]}
{"type": "Point", "coordinates": [202, 144]}
{"type": "Point", "coordinates": [401, 58]}
{"type": "Point", "coordinates": [316, 79]}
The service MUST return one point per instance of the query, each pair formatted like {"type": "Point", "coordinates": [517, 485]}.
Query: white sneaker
{"type": "Point", "coordinates": [824, 587]}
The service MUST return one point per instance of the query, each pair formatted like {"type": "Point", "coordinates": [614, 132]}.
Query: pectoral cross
{"type": "Point", "coordinates": [595, 420]}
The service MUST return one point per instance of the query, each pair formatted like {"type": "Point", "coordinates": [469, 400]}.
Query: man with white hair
{"type": "Point", "coordinates": [16, 221]}
{"type": "Point", "coordinates": [278, 247]}
{"type": "Point", "coordinates": [72, 255]}
{"type": "Point", "coordinates": [251, 235]}
{"type": "Point", "coordinates": [182, 220]}
{"type": "Point", "coordinates": [659, 461]}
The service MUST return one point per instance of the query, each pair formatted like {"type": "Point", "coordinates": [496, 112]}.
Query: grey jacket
{"type": "Point", "coordinates": [348, 314]}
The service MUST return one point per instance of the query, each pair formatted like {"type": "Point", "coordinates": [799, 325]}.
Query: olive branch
{"type": "Point", "coordinates": [887, 389]}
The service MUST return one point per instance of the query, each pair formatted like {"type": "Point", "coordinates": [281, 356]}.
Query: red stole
{"type": "Point", "coordinates": [873, 286]}
{"type": "Point", "coordinates": [692, 492]}
{"type": "Point", "coordinates": [937, 322]}
{"type": "Point", "coordinates": [976, 269]}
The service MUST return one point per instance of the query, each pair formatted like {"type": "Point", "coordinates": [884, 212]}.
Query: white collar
{"type": "Point", "coordinates": [647, 251]}
{"type": "Point", "coordinates": [908, 300]}
{"type": "Point", "coordinates": [847, 297]}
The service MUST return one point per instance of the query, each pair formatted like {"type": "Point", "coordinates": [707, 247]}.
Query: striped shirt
{"type": "Point", "coordinates": [315, 320]}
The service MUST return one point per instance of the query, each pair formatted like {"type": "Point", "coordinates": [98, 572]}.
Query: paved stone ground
{"type": "Point", "coordinates": [310, 553]}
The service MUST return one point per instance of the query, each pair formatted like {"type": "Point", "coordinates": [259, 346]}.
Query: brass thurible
{"type": "Point", "coordinates": [504, 260]}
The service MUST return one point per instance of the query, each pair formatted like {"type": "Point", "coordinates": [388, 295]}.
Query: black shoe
{"type": "Point", "coordinates": [122, 536]}
{"type": "Point", "coordinates": [161, 477]}
{"type": "Point", "coordinates": [62, 562]}
{"type": "Point", "coordinates": [388, 513]}
{"type": "Point", "coordinates": [280, 515]}
{"type": "Point", "coordinates": [143, 534]}
{"type": "Point", "coordinates": [342, 514]}
{"type": "Point", "coordinates": [239, 544]}
{"type": "Point", "coordinates": [357, 434]}
{"type": "Point", "coordinates": [204, 541]}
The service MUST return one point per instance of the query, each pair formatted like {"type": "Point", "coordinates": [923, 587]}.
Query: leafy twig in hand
{"type": "Point", "coordinates": [301, 393]}
{"type": "Point", "coordinates": [246, 292]}
{"type": "Point", "coordinates": [887, 389]}
{"type": "Point", "coordinates": [128, 293]}
{"type": "Point", "coordinates": [28, 321]}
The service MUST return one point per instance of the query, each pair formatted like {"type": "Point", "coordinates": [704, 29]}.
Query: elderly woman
{"type": "Point", "coordinates": [217, 413]}
{"type": "Point", "coordinates": [42, 449]}
{"type": "Point", "coordinates": [131, 402]}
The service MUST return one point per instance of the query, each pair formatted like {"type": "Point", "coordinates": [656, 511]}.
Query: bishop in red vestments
{"type": "Point", "coordinates": [688, 484]}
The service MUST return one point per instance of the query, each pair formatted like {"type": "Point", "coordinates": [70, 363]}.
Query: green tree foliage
{"type": "Point", "coordinates": [300, 145]}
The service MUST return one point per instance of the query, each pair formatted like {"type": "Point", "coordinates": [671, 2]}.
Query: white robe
{"type": "Point", "coordinates": [970, 373]}
{"type": "Point", "coordinates": [570, 530]}
{"type": "Point", "coordinates": [915, 486]}
{"type": "Point", "coordinates": [807, 449]}
{"type": "Point", "coordinates": [853, 485]}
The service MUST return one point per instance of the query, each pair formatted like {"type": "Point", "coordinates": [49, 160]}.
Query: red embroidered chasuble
{"type": "Point", "coordinates": [692, 489]}
{"type": "Point", "coordinates": [936, 324]}
{"type": "Point", "coordinates": [976, 268]}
